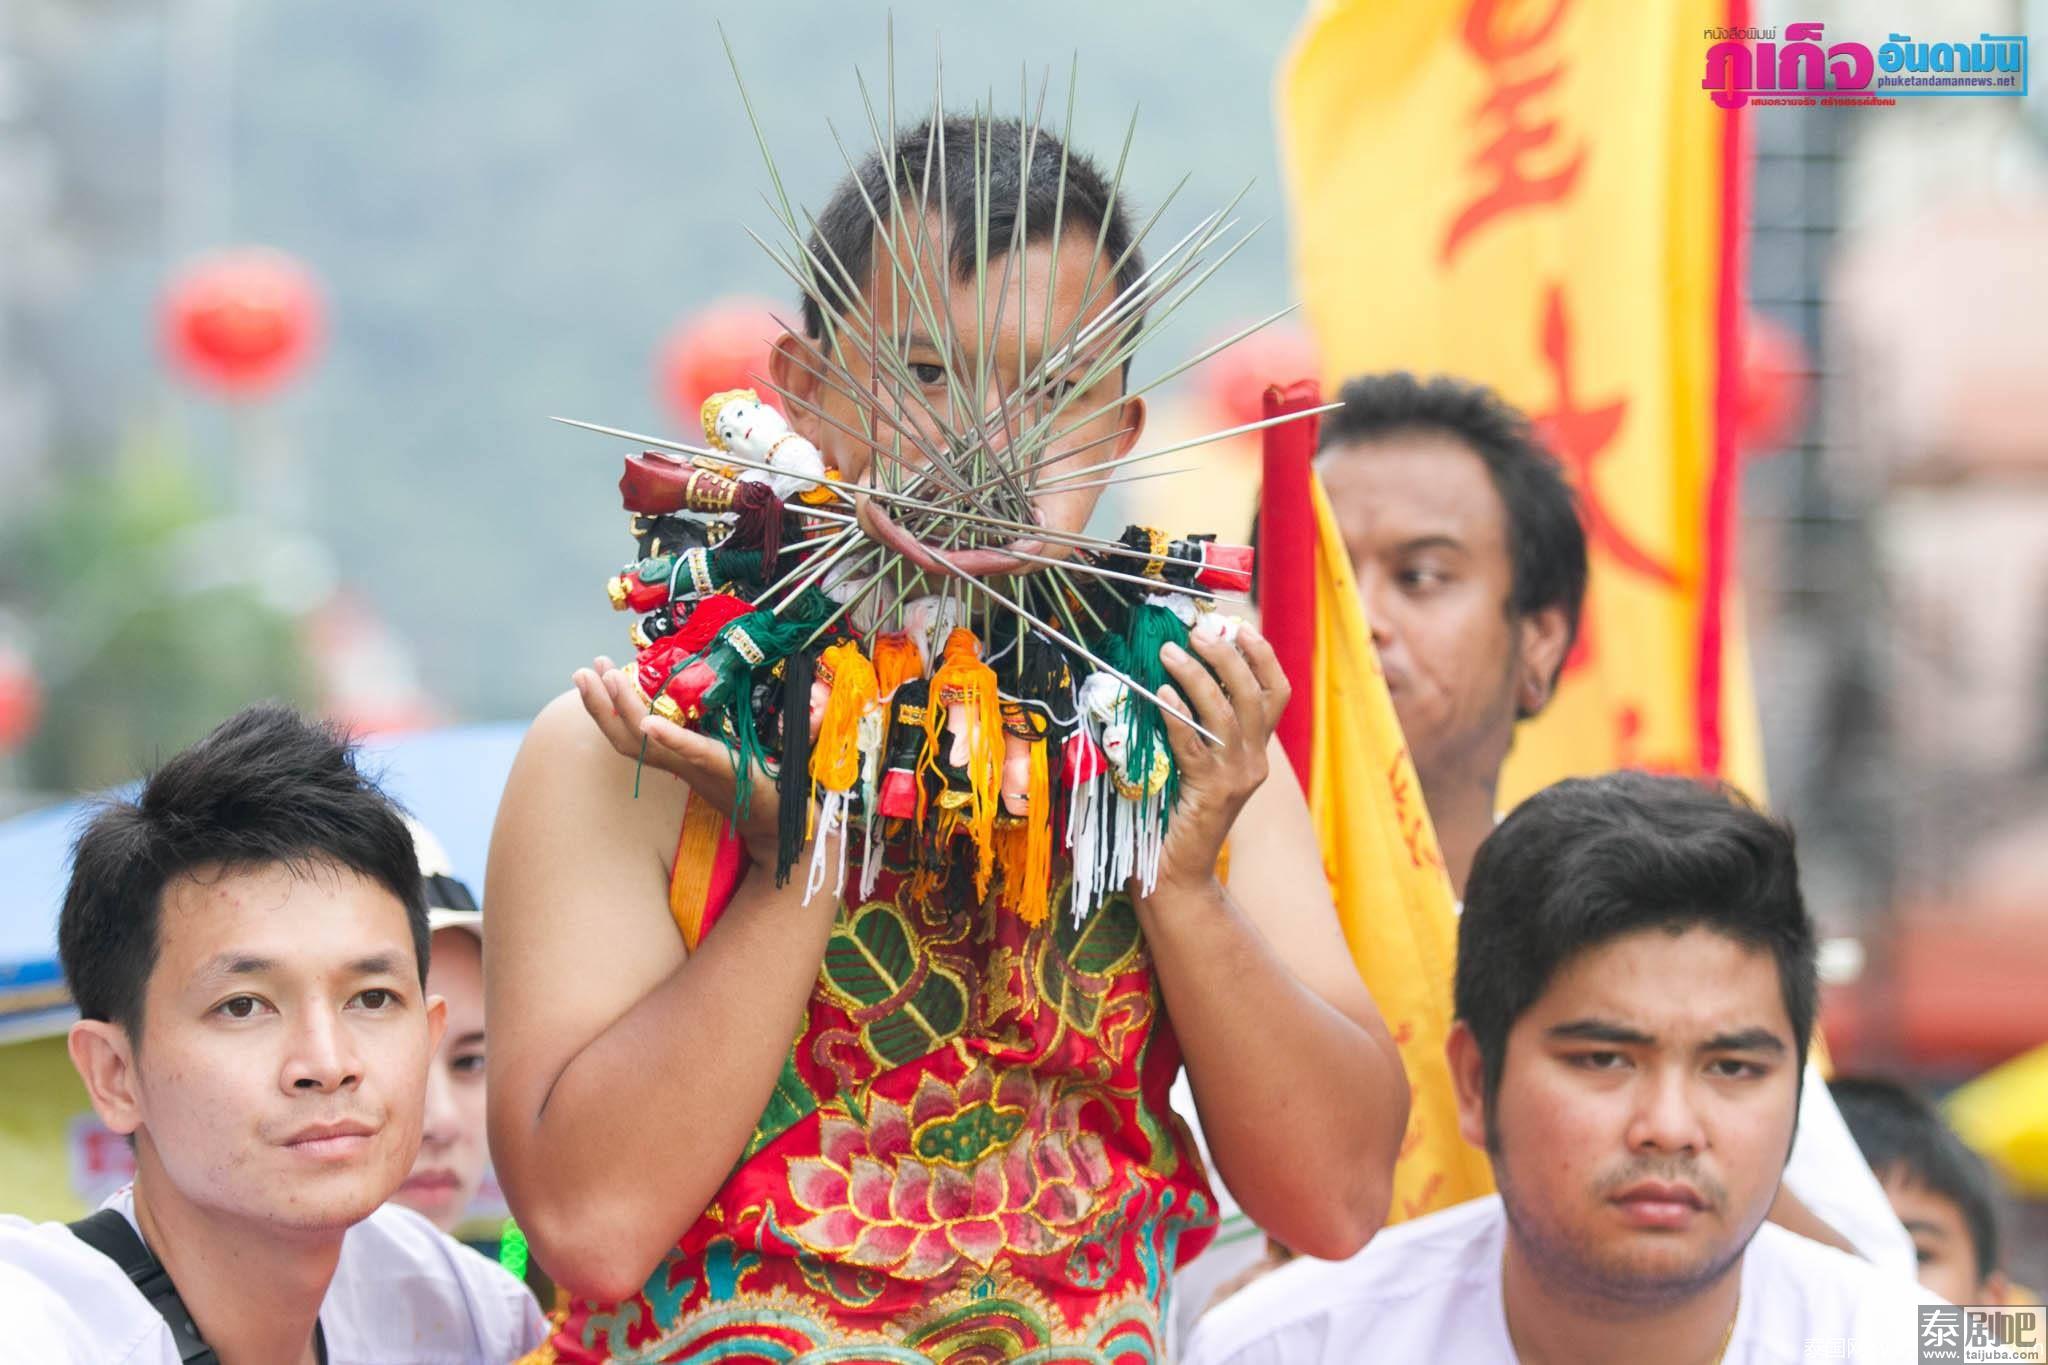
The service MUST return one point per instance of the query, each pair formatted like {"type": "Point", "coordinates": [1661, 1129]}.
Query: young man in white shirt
{"type": "Point", "coordinates": [1466, 543]}
{"type": "Point", "coordinates": [1635, 995]}
{"type": "Point", "coordinates": [247, 946]}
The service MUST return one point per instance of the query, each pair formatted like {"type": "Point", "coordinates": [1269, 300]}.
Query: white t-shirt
{"type": "Point", "coordinates": [1826, 1173]}
{"type": "Point", "coordinates": [1238, 1244]}
{"type": "Point", "coordinates": [1430, 1290]}
{"type": "Point", "coordinates": [402, 1292]}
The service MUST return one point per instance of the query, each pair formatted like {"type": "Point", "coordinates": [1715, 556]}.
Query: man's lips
{"type": "Point", "coordinates": [431, 1182]}
{"type": "Point", "coordinates": [342, 1138]}
{"type": "Point", "coordinates": [1659, 1204]}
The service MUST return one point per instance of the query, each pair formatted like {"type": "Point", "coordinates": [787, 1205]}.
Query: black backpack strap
{"type": "Point", "coordinates": [110, 1234]}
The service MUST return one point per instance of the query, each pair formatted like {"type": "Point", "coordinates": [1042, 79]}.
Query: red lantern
{"type": "Point", "coordinates": [1774, 375]}
{"type": "Point", "coordinates": [1235, 379]}
{"type": "Point", "coordinates": [725, 346]}
{"type": "Point", "coordinates": [21, 701]}
{"type": "Point", "coordinates": [241, 322]}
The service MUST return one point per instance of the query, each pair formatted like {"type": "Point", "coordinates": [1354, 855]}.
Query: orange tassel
{"type": "Point", "coordinates": [963, 680]}
{"type": "Point", "coordinates": [835, 754]}
{"type": "Point", "coordinates": [690, 890]}
{"type": "Point", "coordinates": [1037, 898]}
{"type": "Point", "coordinates": [1024, 847]}
{"type": "Point", "coordinates": [1024, 840]}
{"type": "Point", "coordinates": [896, 662]}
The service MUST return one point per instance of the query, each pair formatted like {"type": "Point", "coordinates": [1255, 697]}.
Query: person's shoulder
{"type": "Point", "coordinates": [60, 1300]}
{"type": "Point", "coordinates": [1807, 1291]}
{"type": "Point", "coordinates": [1444, 1256]}
{"type": "Point", "coordinates": [566, 770]}
{"type": "Point", "coordinates": [401, 1279]}
{"type": "Point", "coordinates": [1784, 1257]}
{"type": "Point", "coordinates": [397, 1240]}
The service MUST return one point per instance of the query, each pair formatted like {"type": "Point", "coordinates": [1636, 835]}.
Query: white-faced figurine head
{"type": "Point", "coordinates": [737, 422]}
{"type": "Point", "coordinates": [1116, 741]}
{"type": "Point", "coordinates": [1217, 625]}
{"type": "Point", "coordinates": [1103, 696]}
{"type": "Point", "coordinates": [929, 621]}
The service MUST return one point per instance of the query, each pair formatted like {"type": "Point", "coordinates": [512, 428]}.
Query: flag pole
{"type": "Point", "coordinates": [1287, 560]}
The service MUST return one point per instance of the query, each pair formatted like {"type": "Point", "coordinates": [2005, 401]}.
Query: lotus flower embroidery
{"type": "Point", "coordinates": [964, 1174]}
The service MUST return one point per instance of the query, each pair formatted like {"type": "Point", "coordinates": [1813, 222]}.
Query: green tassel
{"type": "Point", "coordinates": [1136, 653]}
{"type": "Point", "coordinates": [776, 637]}
{"type": "Point", "coordinates": [513, 1253]}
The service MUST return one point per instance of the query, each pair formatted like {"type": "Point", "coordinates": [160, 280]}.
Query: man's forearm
{"type": "Point", "coordinates": [1302, 1107]}
{"type": "Point", "coordinates": [644, 1123]}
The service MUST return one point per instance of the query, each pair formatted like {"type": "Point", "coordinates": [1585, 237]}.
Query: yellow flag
{"type": "Point", "coordinates": [1538, 195]}
{"type": "Point", "coordinates": [1387, 877]}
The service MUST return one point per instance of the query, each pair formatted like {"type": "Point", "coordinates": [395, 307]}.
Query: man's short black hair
{"type": "Point", "coordinates": [266, 787]}
{"type": "Point", "coordinates": [845, 231]}
{"type": "Point", "coordinates": [1900, 1132]}
{"type": "Point", "coordinates": [1546, 540]}
{"type": "Point", "coordinates": [1593, 858]}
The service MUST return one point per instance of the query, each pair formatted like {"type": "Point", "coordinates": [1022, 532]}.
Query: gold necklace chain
{"type": "Point", "coordinates": [1728, 1337]}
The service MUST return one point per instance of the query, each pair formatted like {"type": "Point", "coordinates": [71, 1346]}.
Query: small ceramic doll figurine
{"type": "Point", "coordinates": [1217, 625]}
{"type": "Point", "coordinates": [740, 424]}
{"type": "Point", "coordinates": [897, 799]}
{"type": "Point", "coordinates": [655, 582]}
{"type": "Point", "coordinates": [1108, 700]}
{"type": "Point", "coordinates": [662, 665]}
{"type": "Point", "coordinates": [658, 624]}
{"type": "Point", "coordinates": [667, 533]}
{"type": "Point", "coordinates": [1024, 728]}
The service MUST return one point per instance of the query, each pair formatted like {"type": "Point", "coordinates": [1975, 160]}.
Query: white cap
{"type": "Point", "coordinates": [450, 904]}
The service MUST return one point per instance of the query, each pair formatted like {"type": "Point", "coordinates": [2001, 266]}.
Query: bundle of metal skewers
{"type": "Point", "coordinates": [909, 651]}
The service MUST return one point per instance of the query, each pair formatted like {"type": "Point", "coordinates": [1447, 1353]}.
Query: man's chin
{"type": "Point", "coordinates": [1651, 1269]}
{"type": "Point", "coordinates": [332, 1200]}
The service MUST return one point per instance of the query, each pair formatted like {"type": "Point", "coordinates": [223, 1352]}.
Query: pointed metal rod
{"type": "Point", "coordinates": [1019, 529]}
{"type": "Point", "coordinates": [979, 586]}
{"type": "Point", "coordinates": [1083, 566]}
{"type": "Point", "coordinates": [1060, 480]}
{"type": "Point", "coordinates": [1116, 355]}
{"type": "Point", "coordinates": [1162, 379]}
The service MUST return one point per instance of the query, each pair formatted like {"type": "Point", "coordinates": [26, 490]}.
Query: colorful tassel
{"type": "Point", "coordinates": [965, 717]}
{"type": "Point", "coordinates": [659, 664]}
{"type": "Point", "coordinates": [758, 524]}
{"type": "Point", "coordinates": [1148, 759]}
{"type": "Point", "coordinates": [793, 777]}
{"type": "Point", "coordinates": [1024, 836]}
{"type": "Point", "coordinates": [896, 662]}
{"type": "Point", "coordinates": [837, 760]}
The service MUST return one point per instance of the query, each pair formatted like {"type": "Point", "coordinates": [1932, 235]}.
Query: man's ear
{"type": "Point", "coordinates": [105, 1059]}
{"type": "Point", "coordinates": [794, 366]}
{"type": "Point", "coordinates": [1130, 420]}
{"type": "Point", "coordinates": [1468, 1078]}
{"type": "Point", "coordinates": [437, 1022]}
{"type": "Point", "coordinates": [1543, 638]}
